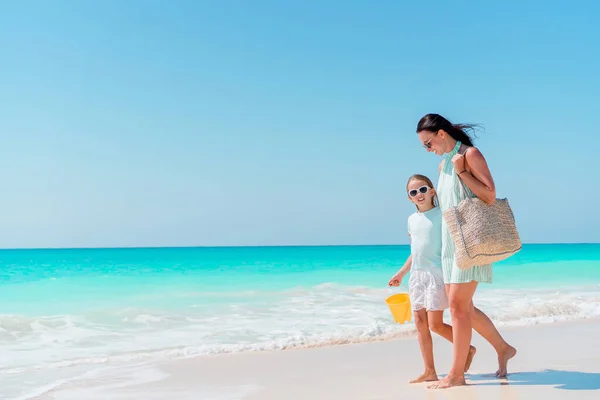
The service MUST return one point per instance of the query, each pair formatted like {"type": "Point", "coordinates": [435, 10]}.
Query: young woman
{"type": "Point", "coordinates": [462, 161]}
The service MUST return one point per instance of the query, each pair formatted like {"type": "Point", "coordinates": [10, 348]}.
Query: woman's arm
{"type": "Point", "coordinates": [474, 172]}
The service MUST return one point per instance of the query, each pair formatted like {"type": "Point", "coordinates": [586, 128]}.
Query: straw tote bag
{"type": "Point", "coordinates": [482, 233]}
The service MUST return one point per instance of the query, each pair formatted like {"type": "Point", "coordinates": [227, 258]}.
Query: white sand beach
{"type": "Point", "coordinates": [558, 361]}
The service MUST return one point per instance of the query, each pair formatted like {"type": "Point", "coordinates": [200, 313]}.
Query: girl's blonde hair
{"type": "Point", "coordinates": [419, 177]}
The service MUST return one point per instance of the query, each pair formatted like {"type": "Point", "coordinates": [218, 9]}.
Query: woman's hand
{"type": "Point", "coordinates": [459, 163]}
{"type": "Point", "coordinates": [396, 280]}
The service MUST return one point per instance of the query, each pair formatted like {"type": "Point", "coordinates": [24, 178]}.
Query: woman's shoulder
{"type": "Point", "coordinates": [474, 157]}
{"type": "Point", "coordinates": [471, 151]}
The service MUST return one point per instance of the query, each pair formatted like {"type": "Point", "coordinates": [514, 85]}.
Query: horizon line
{"type": "Point", "coordinates": [250, 246]}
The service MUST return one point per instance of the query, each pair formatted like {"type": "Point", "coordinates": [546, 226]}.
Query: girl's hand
{"type": "Point", "coordinates": [459, 163]}
{"type": "Point", "coordinates": [397, 278]}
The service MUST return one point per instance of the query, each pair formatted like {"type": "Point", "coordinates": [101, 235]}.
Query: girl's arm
{"type": "Point", "coordinates": [396, 280]}
{"type": "Point", "coordinates": [474, 172]}
{"type": "Point", "coordinates": [407, 264]}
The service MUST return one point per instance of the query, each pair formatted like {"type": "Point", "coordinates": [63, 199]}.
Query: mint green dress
{"type": "Point", "coordinates": [450, 194]}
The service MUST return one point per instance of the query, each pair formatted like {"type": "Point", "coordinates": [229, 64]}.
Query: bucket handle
{"type": "Point", "coordinates": [392, 290]}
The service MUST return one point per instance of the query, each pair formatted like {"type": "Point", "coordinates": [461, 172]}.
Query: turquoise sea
{"type": "Point", "coordinates": [69, 312]}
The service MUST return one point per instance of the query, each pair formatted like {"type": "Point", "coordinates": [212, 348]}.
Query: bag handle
{"type": "Point", "coordinates": [463, 187]}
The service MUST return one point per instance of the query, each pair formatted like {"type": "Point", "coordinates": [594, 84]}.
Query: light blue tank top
{"type": "Point", "coordinates": [425, 229]}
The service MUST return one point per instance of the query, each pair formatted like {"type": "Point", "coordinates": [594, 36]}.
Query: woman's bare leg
{"type": "Point", "coordinates": [486, 328]}
{"type": "Point", "coordinates": [426, 345]}
{"type": "Point", "coordinates": [461, 307]}
{"type": "Point", "coordinates": [437, 325]}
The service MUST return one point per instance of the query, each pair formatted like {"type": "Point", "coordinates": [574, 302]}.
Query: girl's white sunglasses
{"type": "Point", "coordinates": [422, 190]}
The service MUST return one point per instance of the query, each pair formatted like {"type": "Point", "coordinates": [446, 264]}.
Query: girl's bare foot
{"type": "Point", "coordinates": [448, 382]}
{"type": "Point", "coordinates": [503, 358]}
{"type": "Point", "coordinates": [470, 356]}
{"type": "Point", "coordinates": [428, 376]}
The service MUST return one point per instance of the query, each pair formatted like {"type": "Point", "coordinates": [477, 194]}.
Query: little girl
{"type": "Point", "coordinates": [426, 284]}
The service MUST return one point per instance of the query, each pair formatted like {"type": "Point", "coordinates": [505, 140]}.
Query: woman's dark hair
{"type": "Point", "coordinates": [435, 122]}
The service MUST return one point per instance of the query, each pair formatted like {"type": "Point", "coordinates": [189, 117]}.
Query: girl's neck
{"type": "Point", "coordinates": [425, 208]}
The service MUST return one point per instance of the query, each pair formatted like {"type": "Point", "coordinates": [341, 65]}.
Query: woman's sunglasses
{"type": "Point", "coordinates": [427, 144]}
{"type": "Point", "coordinates": [422, 190]}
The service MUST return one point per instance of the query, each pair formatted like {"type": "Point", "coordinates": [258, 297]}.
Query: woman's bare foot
{"type": "Point", "coordinates": [428, 376]}
{"type": "Point", "coordinates": [448, 382]}
{"type": "Point", "coordinates": [503, 358]}
{"type": "Point", "coordinates": [470, 356]}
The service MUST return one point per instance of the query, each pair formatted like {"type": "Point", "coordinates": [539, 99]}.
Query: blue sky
{"type": "Point", "coordinates": [152, 123]}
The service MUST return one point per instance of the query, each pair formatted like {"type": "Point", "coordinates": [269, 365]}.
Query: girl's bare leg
{"type": "Point", "coordinates": [426, 345]}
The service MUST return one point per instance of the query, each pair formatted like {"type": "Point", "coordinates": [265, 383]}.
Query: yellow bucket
{"type": "Point", "coordinates": [399, 305]}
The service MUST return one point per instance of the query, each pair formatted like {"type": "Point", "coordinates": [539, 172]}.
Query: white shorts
{"type": "Point", "coordinates": [426, 290]}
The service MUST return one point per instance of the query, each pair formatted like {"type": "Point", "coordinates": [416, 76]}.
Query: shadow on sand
{"type": "Point", "coordinates": [566, 380]}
